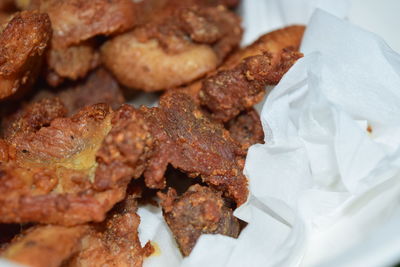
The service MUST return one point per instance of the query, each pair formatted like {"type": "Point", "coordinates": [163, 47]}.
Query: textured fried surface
{"type": "Point", "coordinates": [228, 92]}
{"type": "Point", "coordinates": [273, 43]}
{"type": "Point", "coordinates": [74, 21]}
{"type": "Point", "coordinates": [45, 246]}
{"type": "Point", "coordinates": [33, 116]}
{"type": "Point", "coordinates": [200, 210]}
{"type": "Point", "coordinates": [246, 128]}
{"type": "Point", "coordinates": [98, 87]}
{"type": "Point", "coordinates": [114, 242]}
{"type": "Point", "coordinates": [22, 44]}
{"type": "Point", "coordinates": [74, 170]}
{"type": "Point", "coordinates": [73, 62]}
{"type": "Point", "coordinates": [181, 43]}
{"type": "Point", "coordinates": [189, 141]}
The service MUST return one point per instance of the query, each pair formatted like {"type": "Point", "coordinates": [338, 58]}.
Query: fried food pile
{"type": "Point", "coordinates": [76, 161]}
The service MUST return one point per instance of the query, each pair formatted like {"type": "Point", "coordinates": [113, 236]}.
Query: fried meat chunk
{"type": "Point", "coordinates": [72, 63]}
{"type": "Point", "coordinates": [74, 21]}
{"type": "Point", "coordinates": [274, 42]}
{"type": "Point", "coordinates": [114, 242]}
{"type": "Point", "coordinates": [45, 246]}
{"type": "Point", "coordinates": [240, 82]}
{"type": "Point", "coordinates": [189, 141]}
{"type": "Point", "coordinates": [229, 92]}
{"type": "Point", "coordinates": [246, 128]}
{"type": "Point", "coordinates": [74, 170]}
{"type": "Point", "coordinates": [181, 43]}
{"type": "Point", "coordinates": [200, 210]}
{"type": "Point", "coordinates": [22, 44]}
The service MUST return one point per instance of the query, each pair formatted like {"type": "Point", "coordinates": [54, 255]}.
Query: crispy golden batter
{"type": "Point", "coordinates": [114, 242]}
{"type": "Point", "coordinates": [274, 42]}
{"type": "Point", "coordinates": [200, 210]}
{"type": "Point", "coordinates": [246, 128]}
{"type": "Point", "coordinates": [181, 43]}
{"type": "Point", "coordinates": [72, 63]}
{"type": "Point", "coordinates": [74, 21]}
{"type": "Point", "coordinates": [45, 246]}
{"type": "Point", "coordinates": [189, 141]}
{"type": "Point", "coordinates": [228, 92]}
{"type": "Point", "coordinates": [74, 170]}
{"type": "Point", "coordinates": [22, 44]}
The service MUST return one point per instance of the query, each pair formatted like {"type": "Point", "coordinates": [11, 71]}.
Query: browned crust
{"type": "Point", "coordinates": [45, 246]}
{"type": "Point", "coordinates": [228, 92]}
{"type": "Point", "coordinates": [200, 210]}
{"type": "Point", "coordinates": [22, 44]}
{"type": "Point", "coordinates": [74, 21]}
{"type": "Point", "coordinates": [56, 164]}
{"type": "Point", "coordinates": [190, 142]}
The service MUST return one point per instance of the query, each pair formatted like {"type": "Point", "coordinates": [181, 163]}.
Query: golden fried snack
{"type": "Point", "coordinates": [22, 44]}
{"type": "Point", "coordinates": [189, 141]}
{"type": "Point", "coordinates": [200, 210]}
{"type": "Point", "coordinates": [246, 128]}
{"type": "Point", "coordinates": [274, 42]}
{"type": "Point", "coordinates": [74, 170]}
{"type": "Point", "coordinates": [45, 246]}
{"type": "Point", "coordinates": [114, 242]}
{"type": "Point", "coordinates": [72, 63]}
{"type": "Point", "coordinates": [228, 92]}
{"type": "Point", "coordinates": [181, 43]}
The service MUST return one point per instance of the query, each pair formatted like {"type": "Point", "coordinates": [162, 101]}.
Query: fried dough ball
{"type": "Point", "coordinates": [246, 128]}
{"type": "Point", "coordinates": [72, 63]}
{"type": "Point", "coordinates": [74, 170]}
{"type": "Point", "coordinates": [45, 246]}
{"type": "Point", "coordinates": [114, 242]}
{"type": "Point", "coordinates": [22, 44]}
{"type": "Point", "coordinates": [189, 141]}
{"type": "Point", "coordinates": [181, 43]}
{"type": "Point", "coordinates": [200, 210]}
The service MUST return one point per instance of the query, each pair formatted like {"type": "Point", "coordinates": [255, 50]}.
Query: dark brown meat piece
{"type": "Point", "coordinates": [22, 44]}
{"type": "Point", "coordinates": [273, 42]}
{"type": "Point", "coordinates": [45, 246]}
{"type": "Point", "coordinates": [181, 43]}
{"type": "Point", "coordinates": [229, 92]}
{"type": "Point", "coordinates": [200, 210]}
{"type": "Point", "coordinates": [246, 128]}
{"type": "Point", "coordinates": [74, 21]}
{"type": "Point", "coordinates": [74, 170]}
{"type": "Point", "coordinates": [98, 87]}
{"type": "Point", "coordinates": [72, 63]}
{"type": "Point", "coordinates": [114, 242]}
{"type": "Point", "coordinates": [189, 141]}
